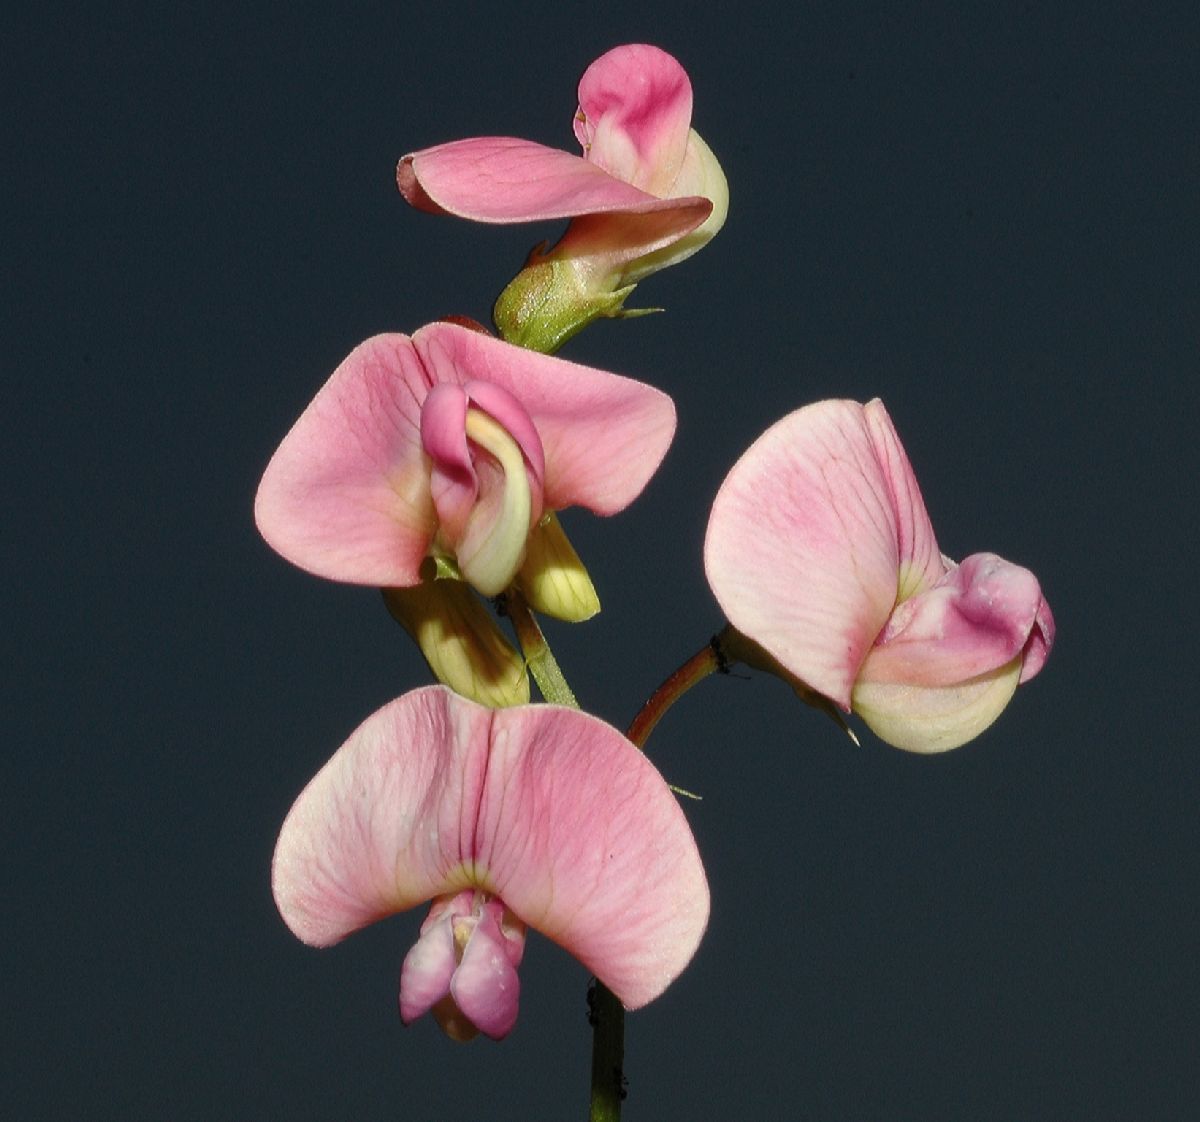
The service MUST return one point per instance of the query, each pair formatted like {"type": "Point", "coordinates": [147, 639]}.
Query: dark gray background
{"type": "Point", "coordinates": [987, 219]}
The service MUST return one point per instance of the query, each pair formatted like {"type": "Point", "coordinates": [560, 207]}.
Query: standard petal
{"type": "Point", "coordinates": [388, 822]}
{"type": "Point", "coordinates": [603, 435]}
{"type": "Point", "coordinates": [346, 495]}
{"type": "Point", "coordinates": [919, 558]}
{"type": "Point", "coordinates": [582, 838]}
{"type": "Point", "coordinates": [801, 550]}
{"type": "Point", "coordinates": [635, 109]}
{"type": "Point", "coordinates": [501, 179]}
{"type": "Point", "coordinates": [977, 618]}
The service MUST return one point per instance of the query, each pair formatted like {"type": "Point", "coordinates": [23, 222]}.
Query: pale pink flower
{"type": "Point", "coordinates": [646, 193]}
{"type": "Point", "coordinates": [534, 816]}
{"type": "Point", "coordinates": [453, 444]}
{"type": "Point", "coordinates": [819, 549]}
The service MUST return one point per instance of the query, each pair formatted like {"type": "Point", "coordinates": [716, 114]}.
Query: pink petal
{"type": "Point", "coordinates": [920, 559]}
{"type": "Point", "coordinates": [635, 111]}
{"type": "Point", "coordinates": [1041, 639]}
{"type": "Point", "coordinates": [388, 822]}
{"type": "Point", "coordinates": [453, 483]}
{"type": "Point", "coordinates": [485, 986]}
{"type": "Point", "coordinates": [501, 405]}
{"type": "Point", "coordinates": [802, 549]}
{"type": "Point", "coordinates": [603, 435]}
{"type": "Point", "coordinates": [429, 965]}
{"type": "Point", "coordinates": [648, 194]}
{"type": "Point", "coordinates": [584, 841]}
{"type": "Point", "coordinates": [977, 618]}
{"type": "Point", "coordinates": [503, 180]}
{"type": "Point", "coordinates": [454, 479]}
{"type": "Point", "coordinates": [346, 495]}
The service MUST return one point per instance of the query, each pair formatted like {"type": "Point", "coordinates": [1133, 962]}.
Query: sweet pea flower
{"type": "Point", "coordinates": [535, 816]}
{"type": "Point", "coordinates": [455, 445]}
{"type": "Point", "coordinates": [820, 551]}
{"type": "Point", "coordinates": [646, 193]}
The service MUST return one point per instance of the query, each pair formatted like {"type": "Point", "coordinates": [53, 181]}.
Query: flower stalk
{"type": "Point", "coordinates": [607, 1019]}
{"type": "Point", "coordinates": [708, 659]}
{"type": "Point", "coordinates": [538, 655]}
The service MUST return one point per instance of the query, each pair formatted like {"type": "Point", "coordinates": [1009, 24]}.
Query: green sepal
{"type": "Point", "coordinates": [546, 303]}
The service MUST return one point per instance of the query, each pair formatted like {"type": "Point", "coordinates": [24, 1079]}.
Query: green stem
{"type": "Point", "coordinates": [607, 1019]}
{"type": "Point", "coordinates": [542, 663]}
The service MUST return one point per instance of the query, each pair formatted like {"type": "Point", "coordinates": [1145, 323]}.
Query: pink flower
{"type": "Point", "coordinates": [819, 550]}
{"type": "Point", "coordinates": [646, 193]}
{"type": "Point", "coordinates": [534, 816]}
{"type": "Point", "coordinates": [453, 444]}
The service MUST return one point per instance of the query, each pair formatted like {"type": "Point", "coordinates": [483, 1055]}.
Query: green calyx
{"type": "Point", "coordinates": [547, 303]}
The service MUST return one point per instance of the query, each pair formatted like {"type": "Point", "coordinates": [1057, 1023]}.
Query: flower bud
{"type": "Point", "coordinates": [460, 639]}
{"type": "Point", "coordinates": [553, 579]}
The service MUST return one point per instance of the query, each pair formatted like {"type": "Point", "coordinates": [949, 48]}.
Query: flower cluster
{"type": "Point", "coordinates": [452, 448]}
{"type": "Point", "coordinates": [432, 466]}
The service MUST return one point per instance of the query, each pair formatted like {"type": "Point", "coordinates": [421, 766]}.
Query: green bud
{"type": "Point", "coordinates": [553, 580]}
{"type": "Point", "coordinates": [460, 639]}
